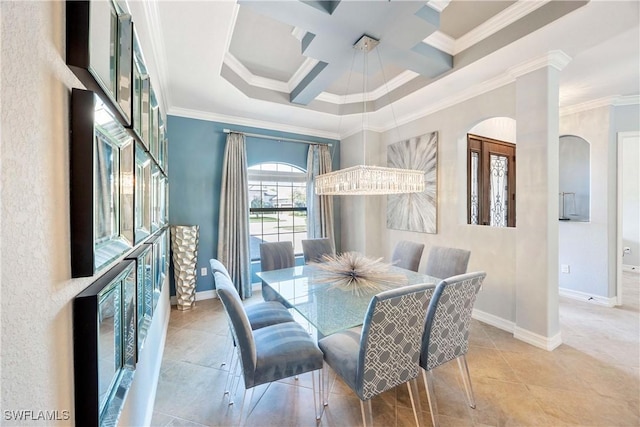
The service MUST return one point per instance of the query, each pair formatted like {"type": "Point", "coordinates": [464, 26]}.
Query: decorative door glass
{"type": "Point", "coordinates": [499, 191]}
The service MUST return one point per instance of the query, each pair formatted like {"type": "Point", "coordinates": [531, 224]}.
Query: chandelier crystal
{"type": "Point", "coordinates": [370, 180]}
{"type": "Point", "coordinates": [364, 179]}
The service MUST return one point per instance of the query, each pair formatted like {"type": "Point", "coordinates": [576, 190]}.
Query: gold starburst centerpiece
{"type": "Point", "coordinates": [351, 271]}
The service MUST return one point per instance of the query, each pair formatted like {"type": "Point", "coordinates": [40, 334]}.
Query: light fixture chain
{"type": "Point", "coordinates": [365, 52]}
{"type": "Point", "coordinates": [386, 89]}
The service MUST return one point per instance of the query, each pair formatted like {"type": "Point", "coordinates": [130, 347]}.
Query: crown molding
{"type": "Point", "coordinates": [623, 100]}
{"type": "Point", "coordinates": [607, 101]}
{"type": "Point", "coordinates": [250, 78]}
{"type": "Point", "coordinates": [496, 23]}
{"type": "Point", "coordinates": [301, 73]}
{"type": "Point", "coordinates": [438, 5]}
{"type": "Point", "coordinates": [513, 13]}
{"type": "Point", "coordinates": [298, 33]}
{"type": "Point", "coordinates": [461, 96]}
{"type": "Point", "coordinates": [158, 52]}
{"type": "Point", "coordinates": [265, 83]}
{"type": "Point", "coordinates": [241, 121]}
{"type": "Point", "coordinates": [556, 59]}
{"type": "Point", "coordinates": [441, 41]}
{"type": "Point", "coordinates": [381, 91]}
{"type": "Point", "coordinates": [232, 27]}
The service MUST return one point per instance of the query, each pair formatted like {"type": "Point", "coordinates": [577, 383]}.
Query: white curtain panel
{"type": "Point", "coordinates": [319, 208]}
{"type": "Point", "coordinates": [233, 230]}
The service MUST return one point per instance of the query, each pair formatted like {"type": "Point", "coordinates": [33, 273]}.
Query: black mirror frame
{"type": "Point", "coordinates": [78, 57]}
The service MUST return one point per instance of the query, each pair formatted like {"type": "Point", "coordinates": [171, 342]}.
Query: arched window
{"type": "Point", "coordinates": [277, 205]}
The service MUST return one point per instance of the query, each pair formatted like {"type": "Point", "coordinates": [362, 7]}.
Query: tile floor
{"type": "Point", "coordinates": [593, 379]}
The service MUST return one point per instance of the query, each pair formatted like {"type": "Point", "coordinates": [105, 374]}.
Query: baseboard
{"type": "Point", "coordinates": [585, 297]}
{"type": "Point", "coordinates": [538, 340]}
{"type": "Point", "coordinates": [518, 333]}
{"type": "Point", "coordinates": [632, 268]}
{"type": "Point", "coordinates": [492, 320]}
{"type": "Point", "coordinates": [202, 295]}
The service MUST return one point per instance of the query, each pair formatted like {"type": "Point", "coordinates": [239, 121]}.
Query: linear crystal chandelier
{"type": "Point", "coordinates": [365, 179]}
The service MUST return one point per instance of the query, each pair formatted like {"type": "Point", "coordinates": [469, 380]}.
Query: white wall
{"type": "Point", "coordinates": [585, 246]}
{"type": "Point", "coordinates": [360, 214]}
{"type": "Point", "coordinates": [36, 289]}
{"type": "Point", "coordinates": [492, 249]}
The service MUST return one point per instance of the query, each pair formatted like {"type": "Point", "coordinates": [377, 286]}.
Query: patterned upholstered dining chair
{"type": "Point", "coordinates": [407, 255]}
{"type": "Point", "coordinates": [270, 353]}
{"type": "Point", "coordinates": [446, 332]}
{"type": "Point", "coordinates": [384, 351]}
{"type": "Point", "coordinates": [314, 249]}
{"type": "Point", "coordinates": [274, 256]}
{"type": "Point", "coordinates": [445, 262]}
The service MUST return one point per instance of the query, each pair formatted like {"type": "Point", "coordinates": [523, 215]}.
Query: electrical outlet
{"type": "Point", "coordinates": [203, 271]}
{"type": "Point", "coordinates": [626, 250]}
{"type": "Point", "coordinates": [565, 268]}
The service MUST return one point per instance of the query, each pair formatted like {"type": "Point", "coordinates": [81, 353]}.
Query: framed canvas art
{"type": "Point", "coordinates": [415, 211]}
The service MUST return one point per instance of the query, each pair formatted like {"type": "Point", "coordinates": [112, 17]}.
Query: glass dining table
{"type": "Point", "coordinates": [328, 308]}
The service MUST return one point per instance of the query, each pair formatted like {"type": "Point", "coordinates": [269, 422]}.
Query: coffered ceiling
{"type": "Point", "coordinates": [291, 65]}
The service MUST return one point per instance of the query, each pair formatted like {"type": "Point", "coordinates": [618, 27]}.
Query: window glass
{"type": "Point", "coordinates": [277, 205]}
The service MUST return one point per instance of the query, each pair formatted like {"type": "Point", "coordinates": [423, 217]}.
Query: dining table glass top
{"type": "Point", "coordinates": [328, 308]}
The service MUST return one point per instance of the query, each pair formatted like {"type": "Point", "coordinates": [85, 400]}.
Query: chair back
{"type": "Point", "coordinates": [447, 262]}
{"type": "Point", "coordinates": [314, 249]}
{"type": "Point", "coordinates": [390, 339]}
{"type": "Point", "coordinates": [407, 255]}
{"type": "Point", "coordinates": [217, 266]}
{"type": "Point", "coordinates": [446, 332]}
{"type": "Point", "coordinates": [240, 326]}
{"type": "Point", "coordinates": [276, 255]}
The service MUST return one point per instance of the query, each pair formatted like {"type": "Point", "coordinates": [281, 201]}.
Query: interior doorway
{"type": "Point", "coordinates": [628, 207]}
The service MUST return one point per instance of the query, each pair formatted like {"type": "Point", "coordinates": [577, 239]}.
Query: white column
{"type": "Point", "coordinates": [537, 117]}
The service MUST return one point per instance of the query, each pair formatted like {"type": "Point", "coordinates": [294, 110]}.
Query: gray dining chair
{"type": "Point", "coordinates": [314, 249]}
{"type": "Point", "coordinates": [385, 350]}
{"type": "Point", "coordinates": [446, 332]}
{"type": "Point", "coordinates": [270, 353]}
{"type": "Point", "coordinates": [445, 262]}
{"type": "Point", "coordinates": [260, 314]}
{"type": "Point", "coordinates": [407, 255]}
{"type": "Point", "coordinates": [274, 256]}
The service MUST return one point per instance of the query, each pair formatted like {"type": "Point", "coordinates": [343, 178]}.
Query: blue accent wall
{"type": "Point", "coordinates": [196, 151]}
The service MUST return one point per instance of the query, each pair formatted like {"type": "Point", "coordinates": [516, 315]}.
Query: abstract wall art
{"type": "Point", "coordinates": [415, 211]}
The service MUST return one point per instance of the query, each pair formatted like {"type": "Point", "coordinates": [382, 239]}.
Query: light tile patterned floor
{"type": "Point", "coordinates": [593, 379]}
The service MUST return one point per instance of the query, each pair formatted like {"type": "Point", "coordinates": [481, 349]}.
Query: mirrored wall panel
{"type": "Point", "coordinates": [99, 37]}
{"type": "Point", "coordinates": [102, 202]}
{"type": "Point", "coordinates": [104, 330]}
{"type": "Point", "coordinates": [143, 257]}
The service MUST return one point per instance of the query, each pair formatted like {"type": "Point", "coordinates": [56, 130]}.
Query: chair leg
{"type": "Point", "coordinates": [415, 401]}
{"type": "Point", "coordinates": [231, 367]}
{"type": "Point", "coordinates": [244, 400]}
{"type": "Point", "coordinates": [466, 378]}
{"type": "Point", "coordinates": [325, 384]}
{"type": "Point", "coordinates": [317, 393]}
{"type": "Point", "coordinates": [431, 397]}
{"type": "Point", "coordinates": [231, 380]}
{"type": "Point", "coordinates": [367, 413]}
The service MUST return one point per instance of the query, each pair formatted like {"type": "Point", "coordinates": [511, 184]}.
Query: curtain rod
{"type": "Point", "coordinates": [257, 135]}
